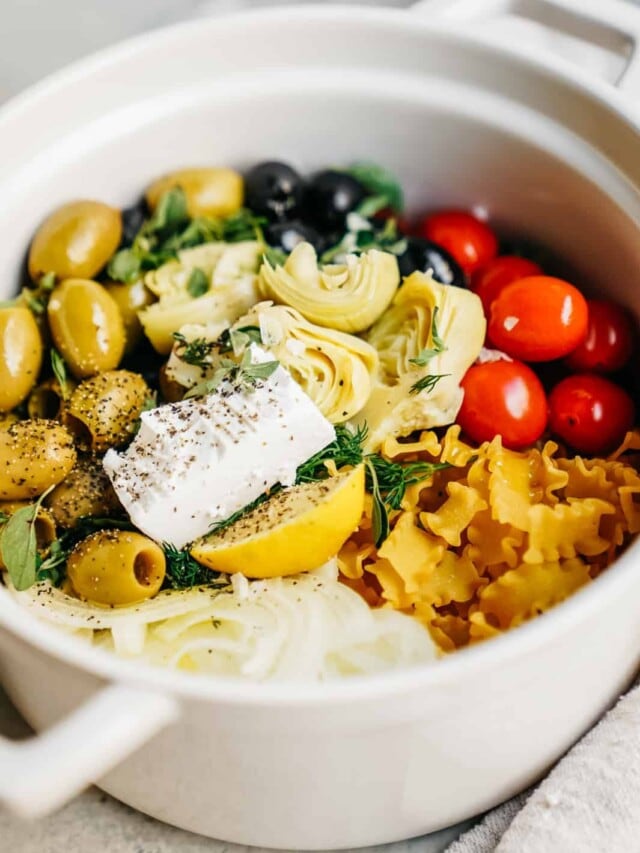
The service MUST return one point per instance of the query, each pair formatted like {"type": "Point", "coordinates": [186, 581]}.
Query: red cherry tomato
{"type": "Point", "coordinates": [503, 398]}
{"type": "Point", "coordinates": [489, 281]}
{"type": "Point", "coordinates": [538, 319]}
{"type": "Point", "coordinates": [468, 239]}
{"type": "Point", "coordinates": [609, 342]}
{"type": "Point", "coordinates": [590, 413]}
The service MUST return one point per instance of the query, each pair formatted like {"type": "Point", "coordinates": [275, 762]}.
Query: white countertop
{"type": "Point", "coordinates": [36, 37]}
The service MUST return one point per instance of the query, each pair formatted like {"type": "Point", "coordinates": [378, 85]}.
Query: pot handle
{"type": "Point", "coordinates": [42, 773]}
{"type": "Point", "coordinates": [601, 34]}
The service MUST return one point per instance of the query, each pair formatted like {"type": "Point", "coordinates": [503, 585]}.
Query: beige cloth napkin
{"type": "Point", "coordinates": [589, 803]}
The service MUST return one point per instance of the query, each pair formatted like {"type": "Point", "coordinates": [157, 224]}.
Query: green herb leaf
{"type": "Point", "coordinates": [47, 282]}
{"type": "Point", "coordinates": [250, 373]}
{"type": "Point", "coordinates": [427, 383]}
{"type": "Point", "coordinates": [379, 182]}
{"type": "Point", "coordinates": [37, 305]}
{"type": "Point", "coordinates": [4, 517]}
{"type": "Point", "coordinates": [379, 516]}
{"type": "Point", "coordinates": [425, 355]}
{"type": "Point", "coordinates": [170, 213]}
{"type": "Point", "coordinates": [18, 545]}
{"type": "Point", "coordinates": [60, 372]}
{"type": "Point", "coordinates": [372, 205]}
{"type": "Point", "coordinates": [125, 266]}
{"type": "Point", "coordinates": [198, 283]}
{"type": "Point", "coordinates": [243, 337]}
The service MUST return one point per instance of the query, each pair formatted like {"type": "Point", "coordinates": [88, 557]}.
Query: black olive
{"type": "Point", "coordinates": [132, 220]}
{"type": "Point", "coordinates": [287, 235]}
{"type": "Point", "coordinates": [273, 190]}
{"type": "Point", "coordinates": [330, 197]}
{"type": "Point", "coordinates": [422, 255]}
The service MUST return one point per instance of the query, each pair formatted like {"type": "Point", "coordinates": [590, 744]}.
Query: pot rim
{"type": "Point", "coordinates": [519, 642]}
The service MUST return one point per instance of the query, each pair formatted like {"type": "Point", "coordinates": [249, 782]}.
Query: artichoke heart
{"type": "Point", "coordinates": [349, 297]}
{"type": "Point", "coordinates": [225, 279]}
{"type": "Point", "coordinates": [334, 369]}
{"type": "Point", "coordinates": [440, 327]}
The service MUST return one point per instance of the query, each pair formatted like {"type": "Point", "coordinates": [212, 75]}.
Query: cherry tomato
{"type": "Point", "coordinates": [609, 342]}
{"type": "Point", "coordinates": [491, 279]}
{"type": "Point", "coordinates": [471, 242]}
{"type": "Point", "coordinates": [538, 318]}
{"type": "Point", "coordinates": [590, 413]}
{"type": "Point", "coordinates": [503, 398]}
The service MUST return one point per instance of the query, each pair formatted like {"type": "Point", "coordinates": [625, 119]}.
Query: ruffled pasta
{"type": "Point", "coordinates": [497, 538]}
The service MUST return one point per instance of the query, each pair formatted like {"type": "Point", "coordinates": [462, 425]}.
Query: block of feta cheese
{"type": "Point", "coordinates": [198, 461]}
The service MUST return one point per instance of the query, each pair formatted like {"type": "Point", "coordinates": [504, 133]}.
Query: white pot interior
{"type": "Point", "coordinates": [456, 128]}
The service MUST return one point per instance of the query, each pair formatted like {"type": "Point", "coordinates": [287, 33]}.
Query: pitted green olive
{"type": "Point", "coordinates": [85, 491]}
{"type": "Point", "coordinates": [47, 400]}
{"type": "Point", "coordinates": [103, 411]}
{"type": "Point", "coordinates": [20, 355]}
{"type": "Point", "coordinates": [130, 298]}
{"type": "Point", "coordinates": [76, 240]}
{"type": "Point", "coordinates": [86, 326]}
{"type": "Point", "coordinates": [34, 455]}
{"type": "Point", "coordinates": [209, 192]}
{"type": "Point", "coordinates": [115, 567]}
{"type": "Point", "coordinates": [45, 527]}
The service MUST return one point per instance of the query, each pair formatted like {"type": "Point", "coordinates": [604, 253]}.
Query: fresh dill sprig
{"type": "Point", "coordinates": [345, 449]}
{"type": "Point", "coordinates": [427, 383]}
{"type": "Point", "coordinates": [393, 478]}
{"type": "Point", "coordinates": [183, 571]}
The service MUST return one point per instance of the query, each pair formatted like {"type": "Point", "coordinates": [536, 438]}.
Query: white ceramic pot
{"type": "Point", "coordinates": [551, 153]}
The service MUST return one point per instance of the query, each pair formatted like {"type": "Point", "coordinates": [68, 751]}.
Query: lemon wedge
{"type": "Point", "coordinates": [296, 530]}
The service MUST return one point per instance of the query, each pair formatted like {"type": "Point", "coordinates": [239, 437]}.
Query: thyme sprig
{"type": "Point", "coordinates": [246, 375]}
{"type": "Point", "coordinates": [196, 352]}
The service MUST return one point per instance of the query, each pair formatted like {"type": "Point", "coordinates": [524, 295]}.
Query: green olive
{"type": "Point", "coordinates": [20, 355]}
{"type": "Point", "coordinates": [115, 567]}
{"type": "Point", "coordinates": [103, 411]}
{"type": "Point", "coordinates": [86, 490]}
{"type": "Point", "coordinates": [47, 399]}
{"type": "Point", "coordinates": [34, 455]}
{"type": "Point", "coordinates": [76, 240]}
{"type": "Point", "coordinates": [44, 526]}
{"type": "Point", "coordinates": [209, 192]}
{"type": "Point", "coordinates": [131, 298]}
{"type": "Point", "coordinates": [86, 326]}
